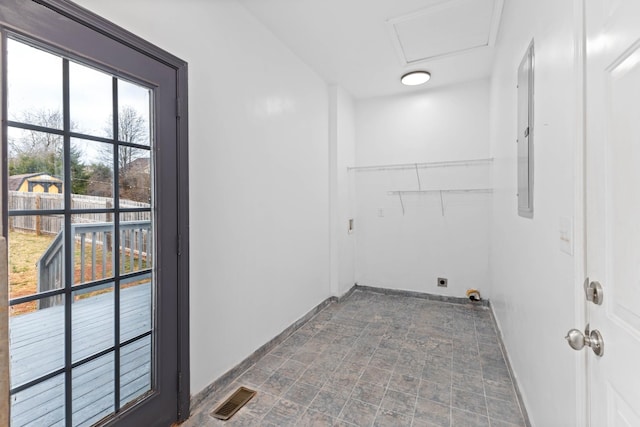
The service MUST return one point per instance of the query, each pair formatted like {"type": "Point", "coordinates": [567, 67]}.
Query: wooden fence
{"type": "Point", "coordinates": [52, 224]}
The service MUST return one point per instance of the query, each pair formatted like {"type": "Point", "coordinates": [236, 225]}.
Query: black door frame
{"type": "Point", "coordinates": [12, 12]}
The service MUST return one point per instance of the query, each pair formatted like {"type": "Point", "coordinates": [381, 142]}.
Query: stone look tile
{"type": "Point", "coordinates": [346, 393]}
{"type": "Point", "coordinates": [496, 374]}
{"type": "Point", "coordinates": [342, 423]}
{"type": "Point", "coordinates": [391, 419]}
{"type": "Point", "coordinates": [469, 401]}
{"type": "Point", "coordinates": [301, 393]}
{"type": "Point", "coordinates": [505, 411]}
{"type": "Point", "coordinates": [391, 343]}
{"type": "Point", "coordinates": [485, 328]}
{"type": "Point", "coordinates": [385, 360]}
{"type": "Point", "coordinates": [315, 376]}
{"type": "Point", "coordinates": [404, 383]}
{"type": "Point", "coordinates": [345, 340]}
{"type": "Point", "coordinates": [469, 381]}
{"type": "Point", "coordinates": [375, 375]}
{"type": "Point", "coordinates": [342, 381]}
{"type": "Point", "coordinates": [465, 346]}
{"type": "Point", "coordinates": [436, 374]}
{"type": "Point", "coordinates": [432, 412]}
{"type": "Point", "coordinates": [261, 404]}
{"type": "Point", "coordinates": [269, 363]}
{"type": "Point", "coordinates": [368, 392]}
{"type": "Point", "coordinates": [315, 419]}
{"type": "Point", "coordinates": [440, 347]}
{"type": "Point", "coordinates": [499, 423]}
{"type": "Point", "coordinates": [284, 413]}
{"type": "Point", "coordinates": [197, 419]}
{"type": "Point", "coordinates": [415, 344]}
{"type": "Point", "coordinates": [467, 365]}
{"type": "Point", "coordinates": [352, 366]}
{"type": "Point", "coordinates": [242, 419]}
{"type": "Point", "coordinates": [499, 390]}
{"type": "Point", "coordinates": [291, 369]}
{"type": "Point", "coordinates": [490, 352]}
{"type": "Point", "coordinates": [409, 354]}
{"type": "Point", "coordinates": [398, 402]}
{"type": "Point", "coordinates": [467, 419]}
{"type": "Point", "coordinates": [381, 363]}
{"type": "Point", "coordinates": [338, 351]}
{"type": "Point", "coordinates": [254, 377]}
{"type": "Point", "coordinates": [328, 403]}
{"type": "Point", "coordinates": [433, 391]}
{"type": "Point", "coordinates": [359, 413]}
{"type": "Point", "coordinates": [277, 384]}
{"type": "Point", "coordinates": [298, 338]}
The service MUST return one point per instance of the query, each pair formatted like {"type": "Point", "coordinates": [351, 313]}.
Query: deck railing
{"type": "Point", "coordinates": [134, 252]}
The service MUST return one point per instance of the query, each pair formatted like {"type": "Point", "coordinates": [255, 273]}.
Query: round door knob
{"type": "Point", "coordinates": [575, 338]}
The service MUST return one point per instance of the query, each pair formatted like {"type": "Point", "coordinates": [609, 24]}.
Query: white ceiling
{"type": "Point", "coordinates": [367, 45]}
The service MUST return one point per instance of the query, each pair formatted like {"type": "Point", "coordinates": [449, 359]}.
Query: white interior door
{"type": "Point", "coordinates": [613, 207]}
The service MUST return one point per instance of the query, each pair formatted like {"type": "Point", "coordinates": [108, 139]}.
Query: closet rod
{"type": "Point", "coordinates": [462, 190]}
{"type": "Point", "coordinates": [450, 163]}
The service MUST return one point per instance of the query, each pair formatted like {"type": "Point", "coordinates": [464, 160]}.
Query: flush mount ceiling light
{"type": "Point", "coordinates": [415, 78]}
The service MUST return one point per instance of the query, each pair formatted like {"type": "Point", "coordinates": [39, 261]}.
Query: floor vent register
{"type": "Point", "coordinates": [233, 404]}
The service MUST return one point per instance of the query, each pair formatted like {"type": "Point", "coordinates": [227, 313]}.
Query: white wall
{"type": "Point", "coordinates": [410, 251]}
{"type": "Point", "coordinates": [258, 173]}
{"type": "Point", "coordinates": [342, 140]}
{"type": "Point", "coordinates": [533, 281]}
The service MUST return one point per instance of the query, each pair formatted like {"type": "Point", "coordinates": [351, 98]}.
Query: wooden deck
{"type": "Point", "coordinates": [37, 348]}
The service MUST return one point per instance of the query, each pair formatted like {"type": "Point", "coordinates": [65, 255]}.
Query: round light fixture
{"type": "Point", "coordinates": [415, 78]}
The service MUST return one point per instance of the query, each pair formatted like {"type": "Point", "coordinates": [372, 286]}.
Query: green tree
{"type": "Point", "coordinates": [42, 152]}
{"type": "Point", "coordinates": [100, 180]}
{"type": "Point", "coordinates": [79, 174]}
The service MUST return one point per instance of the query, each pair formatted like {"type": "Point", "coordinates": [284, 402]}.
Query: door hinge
{"type": "Point", "coordinates": [179, 244]}
{"type": "Point", "coordinates": [178, 107]}
{"type": "Point", "coordinates": [179, 382]}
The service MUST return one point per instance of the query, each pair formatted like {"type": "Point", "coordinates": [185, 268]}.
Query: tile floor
{"type": "Point", "coordinates": [380, 360]}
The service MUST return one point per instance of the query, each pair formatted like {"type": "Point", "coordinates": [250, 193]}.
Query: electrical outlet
{"type": "Point", "coordinates": [442, 282]}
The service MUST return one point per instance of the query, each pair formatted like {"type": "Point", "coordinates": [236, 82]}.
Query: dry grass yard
{"type": "Point", "coordinates": [25, 249]}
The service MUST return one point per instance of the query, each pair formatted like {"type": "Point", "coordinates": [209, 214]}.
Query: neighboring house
{"type": "Point", "coordinates": [139, 165]}
{"type": "Point", "coordinates": [35, 183]}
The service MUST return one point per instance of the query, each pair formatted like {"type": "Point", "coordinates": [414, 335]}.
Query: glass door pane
{"type": "Point", "coordinates": [81, 239]}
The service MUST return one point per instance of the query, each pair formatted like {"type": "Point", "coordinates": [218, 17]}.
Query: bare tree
{"type": "Point", "coordinates": [37, 143]}
{"type": "Point", "coordinates": [132, 127]}
{"type": "Point", "coordinates": [133, 163]}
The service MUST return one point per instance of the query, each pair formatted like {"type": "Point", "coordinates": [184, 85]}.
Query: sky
{"type": "Point", "coordinates": [35, 83]}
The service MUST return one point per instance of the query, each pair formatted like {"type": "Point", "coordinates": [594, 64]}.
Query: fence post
{"type": "Point", "coordinates": [108, 236]}
{"type": "Point", "coordinates": [38, 217]}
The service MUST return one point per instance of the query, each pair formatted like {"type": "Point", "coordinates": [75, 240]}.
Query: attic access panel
{"type": "Point", "coordinates": [445, 28]}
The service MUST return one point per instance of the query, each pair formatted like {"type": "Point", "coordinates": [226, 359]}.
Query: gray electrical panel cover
{"type": "Point", "coordinates": [525, 134]}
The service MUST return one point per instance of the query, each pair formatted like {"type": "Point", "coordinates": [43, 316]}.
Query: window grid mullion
{"type": "Point", "coordinates": [116, 230]}
{"type": "Point", "coordinates": [68, 248]}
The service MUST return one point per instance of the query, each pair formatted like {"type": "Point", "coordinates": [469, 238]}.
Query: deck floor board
{"type": "Point", "coordinates": [37, 350]}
